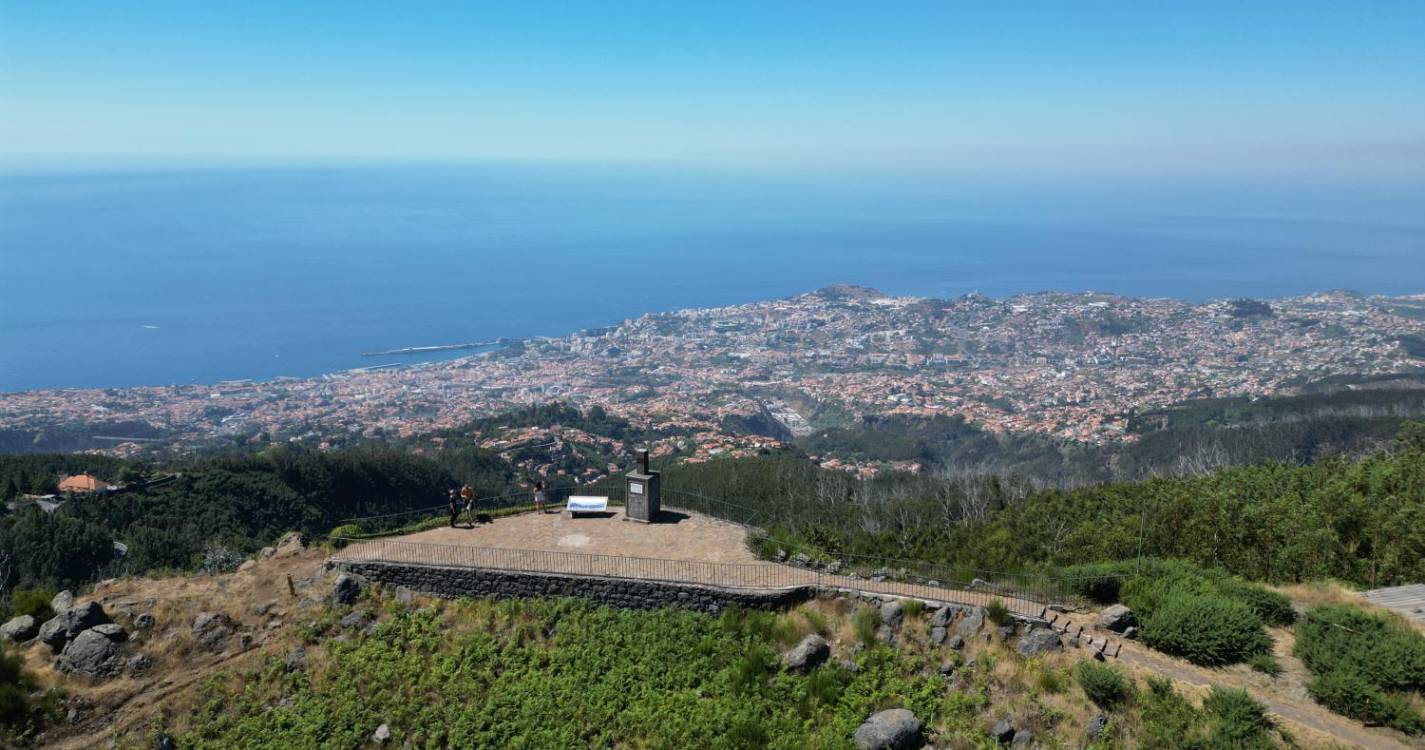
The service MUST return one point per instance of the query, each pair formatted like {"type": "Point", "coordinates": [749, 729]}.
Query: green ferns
{"type": "Point", "coordinates": [1364, 665]}
{"type": "Point", "coordinates": [546, 673]}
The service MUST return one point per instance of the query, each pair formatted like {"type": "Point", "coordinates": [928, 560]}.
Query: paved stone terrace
{"type": "Point", "coordinates": [683, 548]}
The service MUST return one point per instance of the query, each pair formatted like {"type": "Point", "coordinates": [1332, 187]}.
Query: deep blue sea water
{"type": "Point", "coordinates": [122, 276]}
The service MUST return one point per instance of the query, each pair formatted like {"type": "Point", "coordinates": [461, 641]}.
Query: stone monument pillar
{"type": "Point", "coordinates": [644, 498]}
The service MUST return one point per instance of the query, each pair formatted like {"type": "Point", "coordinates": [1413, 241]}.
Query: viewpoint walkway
{"type": "Point", "coordinates": [685, 548]}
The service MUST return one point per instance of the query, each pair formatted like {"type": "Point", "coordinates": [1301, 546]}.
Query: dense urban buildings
{"type": "Point", "coordinates": [1067, 365]}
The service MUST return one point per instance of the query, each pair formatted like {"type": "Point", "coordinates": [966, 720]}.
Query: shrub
{"type": "Point", "coordinates": [1098, 582]}
{"type": "Point", "coordinates": [913, 607]}
{"type": "Point", "coordinates": [1239, 720]}
{"type": "Point", "coordinates": [1206, 629]}
{"type": "Point", "coordinates": [1274, 608]}
{"type": "Point", "coordinates": [1266, 663]}
{"type": "Point", "coordinates": [1050, 680]}
{"type": "Point", "coordinates": [1103, 684]}
{"type": "Point", "coordinates": [864, 622]}
{"type": "Point", "coordinates": [1363, 665]}
{"type": "Point", "coordinates": [33, 602]}
{"type": "Point", "coordinates": [998, 613]}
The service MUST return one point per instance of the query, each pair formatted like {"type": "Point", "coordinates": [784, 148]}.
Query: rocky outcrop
{"type": "Point", "coordinates": [971, 623]}
{"type": "Point", "coordinates": [20, 629]}
{"type": "Point", "coordinates": [1003, 731]}
{"type": "Point", "coordinates": [1117, 618]}
{"type": "Point", "coordinates": [812, 652]}
{"type": "Point", "coordinates": [893, 729]}
{"type": "Point", "coordinates": [212, 630]}
{"type": "Point", "coordinates": [52, 633]}
{"type": "Point", "coordinates": [290, 544]}
{"type": "Point", "coordinates": [348, 588]}
{"type": "Point", "coordinates": [82, 617]}
{"type": "Point", "coordinates": [61, 602]}
{"type": "Point", "coordinates": [91, 653]}
{"type": "Point", "coordinates": [1039, 641]}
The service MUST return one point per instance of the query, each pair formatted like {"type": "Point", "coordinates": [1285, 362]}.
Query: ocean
{"type": "Point", "coordinates": [122, 275]}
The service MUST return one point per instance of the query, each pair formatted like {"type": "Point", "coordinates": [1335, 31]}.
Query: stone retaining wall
{"type": "Point", "coordinates": [453, 582]}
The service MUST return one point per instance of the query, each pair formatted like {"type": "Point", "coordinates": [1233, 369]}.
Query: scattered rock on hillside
{"type": "Point", "coordinates": [212, 629]}
{"type": "Point", "coordinates": [1003, 731]}
{"type": "Point", "coordinates": [138, 664]}
{"type": "Point", "coordinates": [355, 619]}
{"type": "Point", "coordinates": [165, 742]}
{"type": "Point", "coordinates": [291, 543]}
{"type": "Point", "coordinates": [82, 617]}
{"type": "Point", "coordinates": [971, 622]}
{"type": "Point", "coordinates": [1039, 641]}
{"type": "Point", "coordinates": [812, 652]}
{"type": "Point", "coordinates": [382, 735]}
{"type": "Point", "coordinates": [262, 609]}
{"type": "Point", "coordinates": [111, 630]}
{"type": "Point", "coordinates": [90, 653]}
{"type": "Point", "coordinates": [941, 617]}
{"type": "Point", "coordinates": [893, 729]}
{"type": "Point", "coordinates": [53, 634]}
{"type": "Point", "coordinates": [937, 635]}
{"type": "Point", "coordinates": [957, 642]}
{"type": "Point", "coordinates": [1117, 618]}
{"type": "Point", "coordinates": [347, 588]}
{"type": "Point", "coordinates": [62, 602]}
{"type": "Point", "coordinates": [296, 660]}
{"type": "Point", "coordinates": [20, 629]}
{"type": "Point", "coordinates": [1096, 726]}
{"type": "Point", "coordinates": [143, 621]}
{"type": "Point", "coordinates": [1022, 738]}
{"type": "Point", "coordinates": [893, 614]}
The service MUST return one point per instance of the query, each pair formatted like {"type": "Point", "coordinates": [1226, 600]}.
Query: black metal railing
{"type": "Point", "coordinates": [1024, 593]}
{"type": "Point", "coordinates": [1021, 593]}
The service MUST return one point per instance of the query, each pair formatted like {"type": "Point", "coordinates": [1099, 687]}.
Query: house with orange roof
{"type": "Point", "coordinates": [83, 483]}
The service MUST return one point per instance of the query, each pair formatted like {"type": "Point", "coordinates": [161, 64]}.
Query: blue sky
{"type": "Point", "coordinates": [1121, 86]}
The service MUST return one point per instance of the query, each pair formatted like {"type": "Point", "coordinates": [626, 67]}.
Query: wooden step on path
{"type": "Point", "coordinates": [1407, 600]}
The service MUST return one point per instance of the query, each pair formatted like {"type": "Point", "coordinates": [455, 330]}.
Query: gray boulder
{"type": "Point", "coordinates": [1022, 738]}
{"type": "Point", "coordinates": [937, 634]}
{"type": "Point", "coordinates": [20, 629]}
{"type": "Point", "coordinates": [165, 741]}
{"type": "Point", "coordinates": [53, 634]}
{"type": "Point", "coordinates": [382, 735]}
{"type": "Point", "coordinates": [113, 631]}
{"type": "Point", "coordinates": [1039, 641]}
{"type": "Point", "coordinates": [957, 642]}
{"type": "Point", "coordinates": [1003, 731]}
{"type": "Point", "coordinates": [297, 660]}
{"type": "Point", "coordinates": [1117, 618]}
{"type": "Point", "coordinates": [212, 629]}
{"type": "Point", "coordinates": [355, 619]}
{"type": "Point", "coordinates": [1096, 726]}
{"type": "Point", "coordinates": [139, 664]}
{"type": "Point", "coordinates": [347, 588]}
{"type": "Point", "coordinates": [82, 617]}
{"type": "Point", "coordinates": [143, 621]}
{"type": "Point", "coordinates": [61, 602]}
{"type": "Point", "coordinates": [971, 622]}
{"type": "Point", "coordinates": [941, 617]}
{"type": "Point", "coordinates": [811, 653]}
{"type": "Point", "coordinates": [893, 614]}
{"type": "Point", "coordinates": [90, 653]}
{"type": "Point", "coordinates": [291, 543]}
{"type": "Point", "coordinates": [893, 729]}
